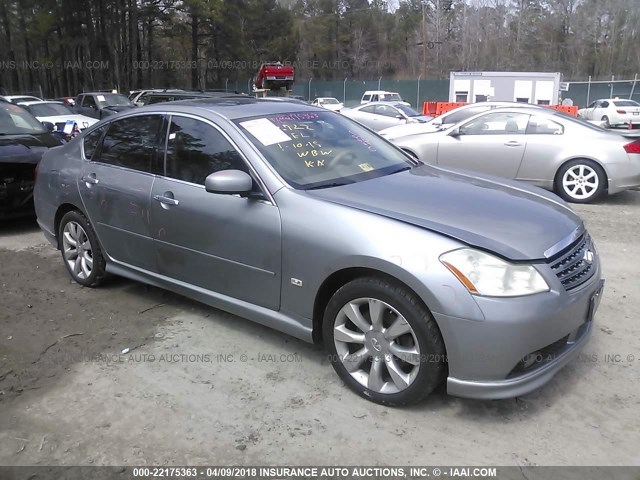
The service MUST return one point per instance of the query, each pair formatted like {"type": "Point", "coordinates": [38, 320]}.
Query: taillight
{"type": "Point", "coordinates": [633, 147]}
{"type": "Point", "coordinates": [621, 112]}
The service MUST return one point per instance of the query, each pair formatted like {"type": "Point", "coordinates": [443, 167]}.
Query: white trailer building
{"type": "Point", "coordinates": [527, 87]}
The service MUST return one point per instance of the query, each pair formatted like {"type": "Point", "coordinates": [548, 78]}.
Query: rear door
{"type": "Point", "coordinates": [223, 243]}
{"type": "Point", "coordinates": [545, 141]}
{"type": "Point", "coordinates": [493, 143]}
{"type": "Point", "coordinates": [115, 185]}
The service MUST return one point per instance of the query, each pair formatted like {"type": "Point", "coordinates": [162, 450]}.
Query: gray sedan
{"type": "Point", "coordinates": [303, 220]}
{"type": "Point", "coordinates": [381, 115]}
{"type": "Point", "coordinates": [543, 147]}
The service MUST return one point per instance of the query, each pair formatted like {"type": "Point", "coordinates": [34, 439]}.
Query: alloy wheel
{"type": "Point", "coordinates": [376, 345]}
{"type": "Point", "coordinates": [580, 182]}
{"type": "Point", "coordinates": [77, 250]}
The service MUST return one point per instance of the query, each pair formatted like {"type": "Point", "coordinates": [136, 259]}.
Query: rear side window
{"type": "Point", "coordinates": [196, 150]}
{"type": "Point", "coordinates": [366, 98]}
{"type": "Point", "coordinates": [91, 142]}
{"type": "Point", "coordinates": [132, 143]}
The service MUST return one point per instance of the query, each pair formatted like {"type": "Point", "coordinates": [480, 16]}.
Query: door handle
{"type": "Point", "coordinates": [91, 178]}
{"type": "Point", "coordinates": [166, 200]}
{"type": "Point", "coordinates": [512, 143]}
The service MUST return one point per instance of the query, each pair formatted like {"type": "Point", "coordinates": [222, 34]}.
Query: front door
{"type": "Point", "coordinates": [493, 143]}
{"type": "Point", "coordinates": [115, 186]}
{"type": "Point", "coordinates": [223, 243]}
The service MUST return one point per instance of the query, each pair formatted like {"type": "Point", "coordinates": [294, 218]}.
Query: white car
{"type": "Point", "coordinates": [381, 96]}
{"type": "Point", "coordinates": [612, 112]}
{"type": "Point", "coordinates": [57, 113]}
{"type": "Point", "coordinates": [382, 115]}
{"type": "Point", "coordinates": [21, 98]}
{"type": "Point", "coordinates": [329, 103]}
{"type": "Point", "coordinates": [448, 119]}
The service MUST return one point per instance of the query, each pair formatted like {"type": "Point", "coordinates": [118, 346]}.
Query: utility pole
{"type": "Point", "coordinates": [424, 40]}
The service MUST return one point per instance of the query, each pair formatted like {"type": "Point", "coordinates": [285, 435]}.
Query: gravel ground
{"type": "Point", "coordinates": [199, 386]}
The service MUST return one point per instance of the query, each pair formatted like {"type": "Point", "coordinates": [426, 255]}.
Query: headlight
{"type": "Point", "coordinates": [484, 274]}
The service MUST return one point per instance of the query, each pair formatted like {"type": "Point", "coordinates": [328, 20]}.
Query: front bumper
{"type": "Point", "coordinates": [522, 343]}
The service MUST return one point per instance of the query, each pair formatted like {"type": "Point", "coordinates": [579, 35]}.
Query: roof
{"type": "Point", "coordinates": [233, 107]}
{"type": "Point", "coordinates": [38, 102]}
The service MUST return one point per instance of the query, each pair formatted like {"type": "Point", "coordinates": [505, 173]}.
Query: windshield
{"type": "Point", "coordinates": [112, 99]}
{"type": "Point", "coordinates": [49, 109]}
{"type": "Point", "coordinates": [626, 103]}
{"type": "Point", "coordinates": [408, 111]}
{"type": "Point", "coordinates": [329, 101]}
{"type": "Point", "coordinates": [15, 120]}
{"type": "Point", "coordinates": [317, 149]}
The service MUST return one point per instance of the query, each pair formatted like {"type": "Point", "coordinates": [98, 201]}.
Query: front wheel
{"type": "Point", "coordinates": [383, 343]}
{"type": "Point", "coordinates": [607, 123]}
{"type": "Point", "coordinates": [581, 181]}
{"type": "Point", "coordinates": [80, 249]}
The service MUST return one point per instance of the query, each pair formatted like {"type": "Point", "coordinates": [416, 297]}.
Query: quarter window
{"type": "Point", "coordinates": [132, 143]}
{"type": "Point", "coordinates": [539, 125]}
{"type": "Point", "coordinates": [196, 150]}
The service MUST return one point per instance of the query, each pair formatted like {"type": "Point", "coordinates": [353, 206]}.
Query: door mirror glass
{"type": "Point", "coordinates": [228, 182]}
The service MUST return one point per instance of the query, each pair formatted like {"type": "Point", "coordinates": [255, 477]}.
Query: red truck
{"type": "Point", "coordinates": [274, 75]}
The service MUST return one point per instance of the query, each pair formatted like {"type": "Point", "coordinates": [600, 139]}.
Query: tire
{"type": "Point", "coordinates": [581, 181]}
{"type": "Point", "coordinates": [87, 265]}
{"type": "Point", "coordinates": [398, 359]}
{"type": "Point", "coordinates": [607, 124]}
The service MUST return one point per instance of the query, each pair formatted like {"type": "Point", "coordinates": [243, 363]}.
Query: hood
{"type": "Point", "coordinates": [26, 148]}
{"type": "Point", "coordinates": [410, 129]}
{"type": "Point", "coordinates": [513, 220]}
{"type": "Point", "coordinates": [79, 119]}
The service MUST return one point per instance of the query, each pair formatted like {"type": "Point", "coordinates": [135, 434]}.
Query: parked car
{"type": "Point", "coordinates": [381, 115]}
{"type": "Point", "coordinates": [544, 147]}
{"type": "Point", "coordinates": [409, 273]}
{"type": "Point", "coordinates": [381, 96]}
{"type": "Point", "coordinates": [20, 98]}
{"type": "Point", "coordinates": [141, 97]}
{"type": "Point", "coordinates": [329, 103]}
{"type": "Point", "coordinates": [448, 119]}
{"type": "Point", "coordinates": [100, 104]}
{"type": "Point", "coordinates": [160, 97]}
{"type": "Point", "coordinates": [613, 112]}
{"type": "Point", "coordinates": [69, 101]}
{"type": "Point", "coordinates": [57, 113]}
{"type": "Point", "coordinates": [23, 140]}
{"type": "Point", "coordinates": [274, 75]}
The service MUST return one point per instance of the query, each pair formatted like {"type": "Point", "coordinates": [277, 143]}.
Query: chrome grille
{"type": "Point", "coordinates": [571, 266]}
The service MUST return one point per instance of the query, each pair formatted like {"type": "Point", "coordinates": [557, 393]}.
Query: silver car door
{"type": "Point", "coordinates": [493, 143]}
{"type": "Point", "coordinates": [115, 185]}
{"type": "Point", "coordinates": [545, 142]}
{"type": "Point", "coordinates": [223, 243]}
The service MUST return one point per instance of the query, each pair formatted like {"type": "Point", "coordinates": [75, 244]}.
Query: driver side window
{"type": "Point", "coordinates": [195, 150]}
{"type": "Point", "coordinates": [498, 123]}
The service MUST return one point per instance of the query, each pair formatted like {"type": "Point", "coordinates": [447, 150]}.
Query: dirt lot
{"type": "Point", "coordinates": [200, 386]}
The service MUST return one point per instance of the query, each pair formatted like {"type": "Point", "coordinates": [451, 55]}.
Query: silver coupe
{"type": "Point", "coordinates": [543, 147]}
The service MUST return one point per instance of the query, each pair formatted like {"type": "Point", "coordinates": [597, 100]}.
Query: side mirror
{"type": "Point", "coordinates": [399, 117]}
{"type": "Point", "coordinates": [455, 132]}
{"type": "Point", "coordinates": [49, 126]}
{"type": "Point", "coordinates": [229, 182]}
{"type": "Point", "coordinates": [139, 104]}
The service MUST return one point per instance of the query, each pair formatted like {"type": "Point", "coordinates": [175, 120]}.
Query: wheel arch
{"type": "Point", "coordinates": [61, 212]}
{"type": "Point", "coordinates": [340, 278]}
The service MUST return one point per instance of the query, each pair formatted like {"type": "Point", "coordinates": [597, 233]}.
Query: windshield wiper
{"type": "Point", "coordinates": [326, 185]}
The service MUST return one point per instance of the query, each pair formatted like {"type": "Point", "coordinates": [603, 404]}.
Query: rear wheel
{"type": "Point", "coordinates": [80, 249]}
{"type": "Point", "coordinates": [383, 342]}
{"type": "Point", "coordinates": [581, 181]}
